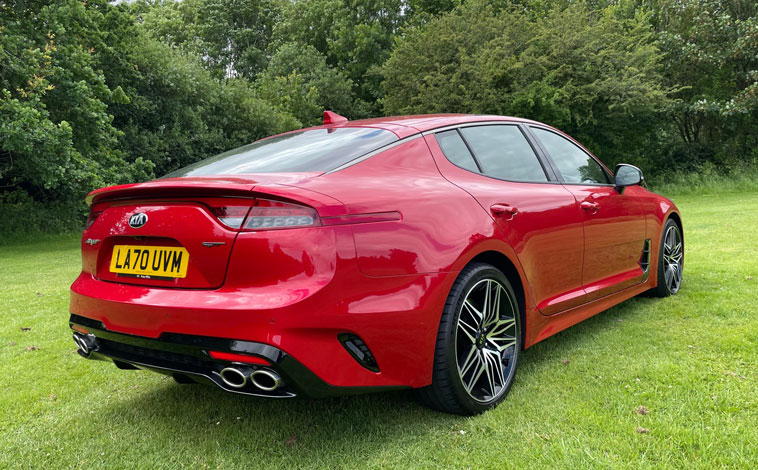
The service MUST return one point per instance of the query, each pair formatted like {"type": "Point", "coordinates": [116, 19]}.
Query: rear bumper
{"type": "Point", "coordinates": [396, 317]}
{"type": "Point", "coordinates": [189, 355]}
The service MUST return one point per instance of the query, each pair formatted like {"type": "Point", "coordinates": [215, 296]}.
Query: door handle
{"type": "Point", "coordinates": [504, 211]}
{"type": "Point", "coordinates": [591, 207]}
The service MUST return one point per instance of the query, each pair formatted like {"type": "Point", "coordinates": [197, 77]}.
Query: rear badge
{"type": "Point", "coordinates": [137, 220]}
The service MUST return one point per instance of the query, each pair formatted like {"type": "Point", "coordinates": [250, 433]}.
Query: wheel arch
{"type": "Point", "coordinates": [674, 215]}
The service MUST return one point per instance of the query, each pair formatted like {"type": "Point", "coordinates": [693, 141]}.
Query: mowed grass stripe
{"type": "Point", "coordinates": [691, 360]}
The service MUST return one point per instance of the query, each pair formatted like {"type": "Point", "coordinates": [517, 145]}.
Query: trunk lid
{"type": "Point", "coordinates": [175, 238]}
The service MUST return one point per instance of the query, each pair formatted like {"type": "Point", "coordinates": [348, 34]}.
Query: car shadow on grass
{"type": "Point", "coordinates": [357, 425]}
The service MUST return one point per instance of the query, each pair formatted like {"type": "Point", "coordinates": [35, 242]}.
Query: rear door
{"type": "Point", "coordinates": [496, 164]}
{"type": "Point", "coordinates": [614, 226]}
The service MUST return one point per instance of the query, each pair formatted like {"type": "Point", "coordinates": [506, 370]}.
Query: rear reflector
{"type": "Point", "coordinates": [271, 215]}
{"type": "Point", "coordinates": [80, 329]}
{"type": "Point", "coordinates": [225, 356]}
{"type": "Point", "coordinates": [358, 349]}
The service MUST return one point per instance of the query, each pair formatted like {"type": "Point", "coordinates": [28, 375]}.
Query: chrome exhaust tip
{"type": "Point", "coordinates": [78, 342]}
{"type": "Point", "coordinates": [233, 377]}
{"type": "Point", "coordinates": [86, 344]}
{"type": "Point", "coordinates": [265, 379]}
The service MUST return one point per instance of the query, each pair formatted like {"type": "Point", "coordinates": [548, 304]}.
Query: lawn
{"type": "Point", "coordinates": [690, 360]}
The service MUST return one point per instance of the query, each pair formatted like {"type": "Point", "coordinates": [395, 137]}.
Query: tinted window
{"type": "Point", "coordinates": [315, 150]}
{"type": "Point", "coordinates": [455, 150]}
{"type": "Point", "coordinates": [503, 152]}
{"type": "Point", "coordinates": [574, 164]}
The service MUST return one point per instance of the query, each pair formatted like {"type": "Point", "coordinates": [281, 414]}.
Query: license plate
{"type": "Point", "coordinates": [149, 262]}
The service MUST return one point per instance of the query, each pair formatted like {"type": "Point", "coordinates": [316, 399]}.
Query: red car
{"type": "Point", "coordinates": [416, 252]}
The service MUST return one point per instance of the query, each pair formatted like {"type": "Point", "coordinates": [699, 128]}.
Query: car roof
{"type": "Point", "coordinates": [404, 126]}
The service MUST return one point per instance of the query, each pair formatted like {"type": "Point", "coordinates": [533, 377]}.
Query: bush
{"type": "Point", "coordinates": [594, 74]}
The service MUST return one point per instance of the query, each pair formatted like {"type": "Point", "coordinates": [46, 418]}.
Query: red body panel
{"type": "Point", "coordinates": [383, 278]}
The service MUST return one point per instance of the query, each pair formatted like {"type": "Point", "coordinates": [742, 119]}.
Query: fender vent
{"type": "Point", "coordinates": [645, 258]}
{"type": "Point", "coordinates": [358, 349]}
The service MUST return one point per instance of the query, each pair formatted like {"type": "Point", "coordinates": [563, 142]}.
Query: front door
{"type": "Point", "coordinates": [614, 226]}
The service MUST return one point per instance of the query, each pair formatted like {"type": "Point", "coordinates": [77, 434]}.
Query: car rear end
{"type": "Point", "coordinates": [230, 278]}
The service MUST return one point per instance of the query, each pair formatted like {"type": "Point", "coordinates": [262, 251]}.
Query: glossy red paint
{"type": "Point", "coordinates": [394, 231]}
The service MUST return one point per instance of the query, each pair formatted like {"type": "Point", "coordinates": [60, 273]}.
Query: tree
{"type": "Point", "coordinates": [592, 73]}
{"type": "Point", "coordinates": [56, 136]}
{"type": "Point", "coordinates": [87, 99]}
{"type": "Point", "coordinates": [299, 82]}
{"type": "Point", "coordinates": [231, 36]}
{"type": "Point", "coordinates": [711, 57]}
{"type": "Point", "coordinates": [355, 36]}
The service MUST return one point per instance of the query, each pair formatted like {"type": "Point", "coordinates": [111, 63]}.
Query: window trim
{"type": "Point", "coordinates": [546, 168]}
{"type": "Point", "coordinates": [558, 174]}
{"type": "Point", "coordinates": [468, 148]}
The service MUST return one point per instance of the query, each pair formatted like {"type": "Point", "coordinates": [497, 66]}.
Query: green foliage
{"type": "Point", "coordinates": [23, 217]}
{"type": "Point", "coordinates": [590, 73]}
{"type": "Point", "coordinates": [56, 135]}
{"type": "Point", "coordinates": [707, 180]}
{"type": "Point", "coordinates": [300, 83]}
{"type": "Point", "coordinates": [88, 99]}
{"type": "Point", "coordinates": [711, 56]}
{"type": "Point", "coordinates": [231, 36]}
{"type": "Point", "coordinates": [355, 36]}
{"type": "Point", "coordinates": [96, 93]}
{"type": "Point", "coordinates": [178, 114]}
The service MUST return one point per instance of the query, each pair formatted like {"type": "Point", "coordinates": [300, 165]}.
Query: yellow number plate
{"type": "Point", "coordinates": [149, 262]}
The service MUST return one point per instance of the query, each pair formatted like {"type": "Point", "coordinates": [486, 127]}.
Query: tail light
{"type": "Point", "coordinates": [231, 216]}
{"type": "Point", "coordinates": [91, 218]}
{"type": "Point", "coordinates": [263, 214]}
{"type": "Point", "coordinates": [268, 215]}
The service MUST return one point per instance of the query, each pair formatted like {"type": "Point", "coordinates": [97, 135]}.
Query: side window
{"type": "Point", "coordinates": [574, 164]}
{"type": "Point", "coordinates": [503, 152]}
{"type": "Point", "coordinates": [455, 150]}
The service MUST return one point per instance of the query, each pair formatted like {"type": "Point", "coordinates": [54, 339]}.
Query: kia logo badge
{"type": "Point", "coordinates": [137, 220]}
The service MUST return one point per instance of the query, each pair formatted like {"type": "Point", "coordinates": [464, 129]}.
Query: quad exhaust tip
{"type": "Point", "coordinates": [86, 344]}
{"type": "Point", "coordinates": [233, 377]}
{"type": "Point", "coordinates": [265, 379]}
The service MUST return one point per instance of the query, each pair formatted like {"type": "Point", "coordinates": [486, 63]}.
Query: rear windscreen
{"type": "Point", "coordinates": [312, 150]}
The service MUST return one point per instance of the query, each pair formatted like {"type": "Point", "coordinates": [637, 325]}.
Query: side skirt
{"type": "Point", "coordinates": [540, 327]}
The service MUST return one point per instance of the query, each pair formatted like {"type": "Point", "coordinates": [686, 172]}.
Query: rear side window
{"type": "Point", "coordinates": [504, 153]}
{"type": "Point", "coordinates": [575, 165]}
{"type": "Point", "coordinates": [312, 150]}
{"type": "Point", "coordinates": [455, 150]}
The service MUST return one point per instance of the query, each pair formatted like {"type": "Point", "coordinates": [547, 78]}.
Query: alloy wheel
{"type": "Point", "coordinates": [673, 255]}
{"type": "Point", "coordinates": [486, 340]}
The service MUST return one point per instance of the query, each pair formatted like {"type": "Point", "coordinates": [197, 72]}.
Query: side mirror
{"type": "Point", "coordinates": [627, 175]}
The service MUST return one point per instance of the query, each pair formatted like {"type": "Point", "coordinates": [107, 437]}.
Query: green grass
{"type": "Point", "coordinates": [692, 360]}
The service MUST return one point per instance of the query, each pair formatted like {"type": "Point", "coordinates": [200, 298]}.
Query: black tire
{"type": "Point", "coordinates": [670, 261]}
{"type": "Point", "coordinates": [463, 391]}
